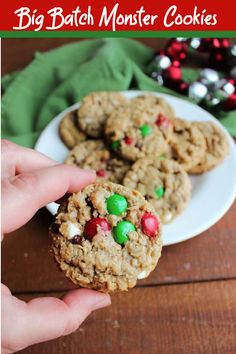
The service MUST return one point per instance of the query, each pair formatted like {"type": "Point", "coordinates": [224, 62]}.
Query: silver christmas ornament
{"type": "Point", "coordinates": [224, 87]}
{"type": "Point", "coordinates": [163, 62]}
{"type": "Point", "coordinates": [209, 76]}
{"type": "Point", "coordinates": [211, 100]}
{"type": "Point", "coordinates": [197, 91]}
{"type": "Point", "coordinates": [154, 75]}
{"type": "Point", "coordinates": [195, 43]}
{"type": "Point", "coordinates": [233, 50]}
{"type": "Point", "coordinates": [160, 80]}
{"type": "Point", "coordinates": [182, 39]}
{"type": "Point", "coordinates": [219, 84]}
{"type": "Point", "coordinates": [228, 88]}
{"type": "Point", "coordinates": [157, 77]}
{"type": "Point", "coordinates": [233, 72]}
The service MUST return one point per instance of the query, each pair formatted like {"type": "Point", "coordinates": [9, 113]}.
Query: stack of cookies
{"type": "Point", "coordinates": [141, 144]}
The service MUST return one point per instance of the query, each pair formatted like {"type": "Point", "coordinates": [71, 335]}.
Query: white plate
{"type": "Point", "coordinates": [212, 194]}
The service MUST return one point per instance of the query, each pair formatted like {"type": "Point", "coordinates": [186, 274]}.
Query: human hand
{"type": "Point", "coordinates": [31, 180]}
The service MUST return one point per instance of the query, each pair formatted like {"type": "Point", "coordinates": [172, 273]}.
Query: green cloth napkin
{"type": "Point", "coordinates": [61, 77]}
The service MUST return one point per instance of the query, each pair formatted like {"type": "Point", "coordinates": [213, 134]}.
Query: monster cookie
{"type": "Point", "coordinates": [187, 146]}
{"type": "Point", "coordinates": [94, 110]}
{"type": "Point", "coordinates": [105, 237]}
{"type": "Point", "coordinates": [92, 154]}
{"type": "Point", "coordinates": [152, 101]}
{"type": "Point", "coordinates": [217, 146]}
{"type": "Point", "coordinates": [136, 131]}
{"type": "Point", "coordinates": [162, 182]}
{"type": "Point", "coordinates": [69, 130]}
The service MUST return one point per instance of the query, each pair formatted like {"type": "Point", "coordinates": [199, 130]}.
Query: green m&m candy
{"type": "Point", "coordinates": [159, 192]}
{"type": "Point", "coordinates": [116, 204]}
{"type": "Point", "coordinates": [121, 230]}
{"type": "Point", "coordinates": [162, 156]}
{"type": "Point", "coordinates": [115, 144]}
{"type": "Point", "coordinates": [145, 130]}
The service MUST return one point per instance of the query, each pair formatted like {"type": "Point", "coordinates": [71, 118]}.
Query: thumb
{"type": "Point", "coordinates": [24, 194]}
{"type": "Point", "coordinates": [46, 318]}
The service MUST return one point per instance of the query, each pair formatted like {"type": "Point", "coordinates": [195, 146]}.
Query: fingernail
{"type": "Point", "coordinates": [104, 301]}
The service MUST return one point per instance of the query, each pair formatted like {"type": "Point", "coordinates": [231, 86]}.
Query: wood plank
{"type": "Point", "coordinates": [189, 318]}
{"type": "Point", "coordinates": [27, 264]}
{"type": "Point", "coordinates": [28, 46]}
{"type": "Point", "coordinates": [18, 52]}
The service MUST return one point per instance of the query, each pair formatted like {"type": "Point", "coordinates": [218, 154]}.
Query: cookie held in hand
{"type": "Point", "coordinates": [106, 237]}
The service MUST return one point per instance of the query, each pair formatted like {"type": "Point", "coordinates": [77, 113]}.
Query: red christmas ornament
{"type": "Point", "coordinates": [150, 224]}
{"type": "Point", "coordinates": [216, 60]}
{"type": "Point", "coordinates": [91, 227]}
{"type": "Point", "coordinates": [172, 73]}
{"type": "Point", "coordinates": [176, 63]}
{"type": "Point", "coordinates": [181, 87]}
{"type": "Point", "coordinates": [224, 43]}
{"type": "Point", "coordinates": [128, 140]}
{"type": "Point", "coordinates": [232, 81]}
{"type": "Point", "coordinates": [230, 103]}
{"type": "Point", "coordinates": [101, 173]}
{"type": "Point", "coordinates": [182, 56]}
{"type": "Point", "coordinates": [215, 43]}
{"type": "Point", "coordinates": [205, 44]}
{"type": "Point", "coordinates": [176, 49]}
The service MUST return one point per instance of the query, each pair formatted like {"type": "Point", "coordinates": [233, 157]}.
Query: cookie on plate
{"type": "Point", "coordinates": [94, 110]}
{"type": "Point", "coordinates": [136, 131]}
{"type": "Point", "coordinates": [69, 130]}
{"type": "Point", "coordinates": [217, 146]}
{"type": "Point", "coordinates": [162, 182]}
{"type": "Point", "coordinates": [187, 145]}
{"type": "Point", "coordinates": [94, 155]}
{"type": "Point", "coordinates": [152, 101]}
{"type": "Point", "coordinates": [106, 237]}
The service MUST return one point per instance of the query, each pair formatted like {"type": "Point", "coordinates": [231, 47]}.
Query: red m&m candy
{"type": "Point", "coordinates": [162, 121]}
{"type": "Point", "coordinates": [150, 224]}
{"type": "Point", "coordinates": [101, 173]}
{"type": "Point", "coordinates": [91, 227]}
{"type": "Point", "coordinates": [128, 140]}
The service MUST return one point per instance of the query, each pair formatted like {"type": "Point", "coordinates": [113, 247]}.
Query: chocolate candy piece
{"type": "Point", "coordinates": [145, 130]}
{"type": "Point", "coordinates": [77, 240]}
{"type": "Point", "coordinates": [101, 173]}
{"type": "Point", "coordinates": [128, 140]}
{"type": "Point", "coordinates": [121, 230]}
{"type": "Point", "coordinates": [90, 229]}
{"type": "Point", "coordinates": [162, 121]}
{"type": "Point", "coordinates": [115, 144]}
{"type": "Point", "coordinates": [159, 192]}
{"type": "Point", "coordinates": [162, 156]}
{"type": "Point", "coordinates": [150, 224]}
{"type": "Point", "coordinates": [116, 204]}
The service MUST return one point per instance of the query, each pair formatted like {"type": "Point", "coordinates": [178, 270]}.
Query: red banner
{"type": "Point", "coordinates": [122, 15]}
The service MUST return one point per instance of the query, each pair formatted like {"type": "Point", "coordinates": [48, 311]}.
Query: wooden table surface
{"type": "Point", "coordinates": [187, 305]}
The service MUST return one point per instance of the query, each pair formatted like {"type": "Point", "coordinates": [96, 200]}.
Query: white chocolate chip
{"type": "Point", "coordinates": [73, 230]}
{"type": "Point", "coordinates": [70, 229]}
{"type": "Point", "coordinates": [88, 120]}
{"type": "Point", "coordinates": [168, 217]}
{"type": "Point", "coordinates": [142, 275]}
